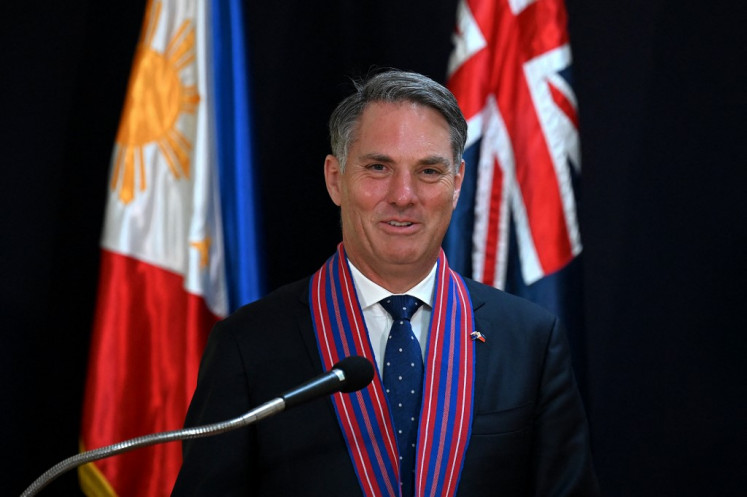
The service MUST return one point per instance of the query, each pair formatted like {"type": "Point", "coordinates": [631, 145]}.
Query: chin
{"type": "Point", "coordinates": [404, 257]}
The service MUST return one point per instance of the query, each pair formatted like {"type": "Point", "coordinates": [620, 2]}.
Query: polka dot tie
{"type": "Point", "coordinates": [403, 382]}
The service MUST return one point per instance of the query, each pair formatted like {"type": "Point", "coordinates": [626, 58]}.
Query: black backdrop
{"type": "Point", "coordinates": [661, 87]}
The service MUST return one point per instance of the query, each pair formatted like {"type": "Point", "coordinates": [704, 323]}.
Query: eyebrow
{"type": "Point", "coordinates": [431, 160]}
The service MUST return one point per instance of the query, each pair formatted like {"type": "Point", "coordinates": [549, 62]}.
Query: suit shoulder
{"type": "Point", "coordinates": [516, 329]}
{"type": "Point", "coordinates": [287, 300]}
{"type": "Point", "coordinates": [494, 302]}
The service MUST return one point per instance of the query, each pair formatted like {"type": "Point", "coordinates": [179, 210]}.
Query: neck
{"type": "Point", "coordinates": [397, 279]}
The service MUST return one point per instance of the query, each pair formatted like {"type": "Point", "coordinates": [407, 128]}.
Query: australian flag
{"type": "Point", "coordinates": [516, 226]}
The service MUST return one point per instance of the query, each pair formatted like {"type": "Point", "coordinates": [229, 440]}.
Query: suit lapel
{"type": "Point", "coordinates": [306, 329]}
{"type": "Point", "coordinates": [481, 349]}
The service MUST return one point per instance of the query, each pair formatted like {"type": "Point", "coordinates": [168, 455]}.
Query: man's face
{"type": "Point", "coordinates": [397, 193]}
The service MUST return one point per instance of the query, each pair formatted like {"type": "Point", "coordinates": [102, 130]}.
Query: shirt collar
{"type": "Point", "coordinates": [369, 293]}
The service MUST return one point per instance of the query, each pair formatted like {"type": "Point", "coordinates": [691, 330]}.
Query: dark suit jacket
{"type": "Point", "coordinates": [529, 432]}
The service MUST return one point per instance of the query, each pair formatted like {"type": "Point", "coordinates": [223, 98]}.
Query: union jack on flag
{"type": "Point", "coordinates": [510, 72]}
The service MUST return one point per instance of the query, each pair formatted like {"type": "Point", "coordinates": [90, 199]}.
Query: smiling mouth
{"type": "Point", "coordinates": [399, 224]}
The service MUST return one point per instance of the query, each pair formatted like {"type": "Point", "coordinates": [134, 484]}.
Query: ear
{"type": "Point", "coordinates": [458, 179]}
{"type": "Point", "coordinates": [332, 178]}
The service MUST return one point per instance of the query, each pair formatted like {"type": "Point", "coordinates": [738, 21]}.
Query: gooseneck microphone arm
{"type": "Point", "coordinates": [349, 375]}
{"type": "Point", "coordinates": [267, 409]}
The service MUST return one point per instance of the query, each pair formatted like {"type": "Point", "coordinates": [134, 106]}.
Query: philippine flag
{"type": "Point", "coordinates": [163, 280]}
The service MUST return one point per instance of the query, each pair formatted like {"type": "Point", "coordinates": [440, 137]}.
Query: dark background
{"type": "Point", "coordinates": [661, 88]}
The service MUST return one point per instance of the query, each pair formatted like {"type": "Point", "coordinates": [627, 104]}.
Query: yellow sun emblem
{"type": "Point", "coordinates": [156, 98]}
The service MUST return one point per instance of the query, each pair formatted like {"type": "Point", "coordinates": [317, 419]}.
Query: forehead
{"type": "Point", "coordinates": [402, 124]}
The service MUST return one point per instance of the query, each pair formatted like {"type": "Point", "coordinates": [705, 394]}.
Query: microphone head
{"type": "Point", "coordinates": [358, 373]}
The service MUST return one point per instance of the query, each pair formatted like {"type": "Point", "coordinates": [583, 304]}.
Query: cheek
{"type": "Point", "coordinates": [357, 207]}
{"type": "Point", "coordinates": [366, 196]}
{"type": "Point", "coordinates": [443, 200]}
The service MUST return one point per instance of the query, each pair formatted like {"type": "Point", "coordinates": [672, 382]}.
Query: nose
{"type": "Point", "coordinates": [402, 189]}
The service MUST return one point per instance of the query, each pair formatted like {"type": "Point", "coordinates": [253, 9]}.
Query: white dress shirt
{"type": "Point", "coordinates": [379, 322]}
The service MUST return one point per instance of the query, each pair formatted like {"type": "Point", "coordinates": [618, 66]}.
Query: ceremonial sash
{"type": "Point", "coordinates": [364, 416]}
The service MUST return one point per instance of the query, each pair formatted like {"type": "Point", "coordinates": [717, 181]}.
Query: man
{"type": "Point", "coordinates": [474, 393]}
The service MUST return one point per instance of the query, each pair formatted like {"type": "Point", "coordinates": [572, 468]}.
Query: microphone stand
{"type": "Point", "coordinates": [267, 409]}
{"type": "Point", "coordinates": [349, 375]}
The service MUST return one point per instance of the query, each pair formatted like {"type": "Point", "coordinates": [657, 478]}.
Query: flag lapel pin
{"type": "Point", "coordinates": [476, 335]}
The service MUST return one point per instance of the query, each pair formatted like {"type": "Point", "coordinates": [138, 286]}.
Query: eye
{"type": "Point", "coordinates": [376, 167]}
{"type": "Point", "coordinates": [433, 173]}
{"type": "Point", "coordinates": [434, 168]}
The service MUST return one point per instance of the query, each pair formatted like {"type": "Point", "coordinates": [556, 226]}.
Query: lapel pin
{"type": "Point", "coordinates": [476, 335]}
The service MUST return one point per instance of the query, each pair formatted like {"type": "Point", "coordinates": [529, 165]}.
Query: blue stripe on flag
{"type": "Point", "coordinates": [458, 240]}
{"type": "Point", "coordinates": [239, 193]}
{"type": "Point", "coordinates": [562, 293]}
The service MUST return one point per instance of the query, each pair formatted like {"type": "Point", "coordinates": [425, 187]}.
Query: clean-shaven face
{"type": "Point", "coordinates": [397, 192]}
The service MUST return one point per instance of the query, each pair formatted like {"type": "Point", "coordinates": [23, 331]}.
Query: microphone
{"type": "Point", "coordinates": [349, 375]}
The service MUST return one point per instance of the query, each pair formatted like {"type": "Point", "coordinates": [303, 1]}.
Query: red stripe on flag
{"type": "Point", "coordinates": [541, 27]}
{"type": "Point", "coordinates": [148, 337]}
{"type": "Point", "coordinates": [469, 84]}
{"type": "Point", "coordinates": [564, 104]}
{"type": "Point", "coordinates": [494, 216]}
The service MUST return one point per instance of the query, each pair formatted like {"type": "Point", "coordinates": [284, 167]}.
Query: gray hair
{"type": "Point", "coordinates": [395, 86]}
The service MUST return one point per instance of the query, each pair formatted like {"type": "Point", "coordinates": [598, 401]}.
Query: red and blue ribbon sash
{"type": "Point", "coordinates": [364, 416]}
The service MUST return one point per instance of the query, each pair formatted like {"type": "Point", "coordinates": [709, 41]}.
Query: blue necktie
{"type": "Point", "coordinates": [403, 381]}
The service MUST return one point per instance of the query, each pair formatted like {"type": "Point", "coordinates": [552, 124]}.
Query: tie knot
{"type": "Point", "coordinates": [401, 306]}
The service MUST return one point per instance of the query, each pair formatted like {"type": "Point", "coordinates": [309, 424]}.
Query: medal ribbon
{"type": "Point", "coordinates": [364, 416]}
